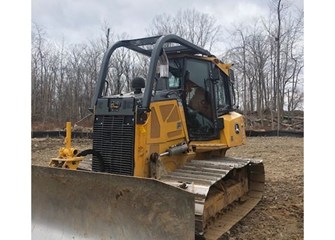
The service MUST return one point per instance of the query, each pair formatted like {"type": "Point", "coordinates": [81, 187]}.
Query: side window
{"type": "Point", "coordinates": [222, 93]}
{"type": "Point", "coordinates": [199, 101]}
{"type": "Point", "coordinates": [232, 93]}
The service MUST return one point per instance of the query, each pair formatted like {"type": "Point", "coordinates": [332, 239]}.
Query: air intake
{"type": "Point", "coordinates": [113, 138]}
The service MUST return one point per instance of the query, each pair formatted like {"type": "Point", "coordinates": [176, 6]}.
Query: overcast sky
{"type": "Point", "coordinates": [77, 21]}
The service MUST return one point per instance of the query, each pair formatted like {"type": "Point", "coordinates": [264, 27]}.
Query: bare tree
{"type": "Point", "coordinates": [199, 28]}
{"type": "Point", "coordinates": [269, 57]}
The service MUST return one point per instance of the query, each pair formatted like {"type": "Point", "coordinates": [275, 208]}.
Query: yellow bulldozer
{"type": "Point", "coordinates": [159, 169]}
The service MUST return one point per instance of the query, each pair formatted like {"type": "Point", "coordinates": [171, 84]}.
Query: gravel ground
{"type": "Point", "coordinates": [279, 215]}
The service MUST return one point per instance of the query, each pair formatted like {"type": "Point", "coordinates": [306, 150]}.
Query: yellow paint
{"type": "Point", "coordinates": [232, 138]}
{"type": "Point", "coordinates": [165, 127]}
{"type": "Point", "coordinates": [228, 137]}
{"type": "Point", "coordinates": [67, 155]}
{"type": "Point", "coordinates": [68, 138]}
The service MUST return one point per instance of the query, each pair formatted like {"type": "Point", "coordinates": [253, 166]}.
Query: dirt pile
{"type": "Point", "coordinates": [291, 121]}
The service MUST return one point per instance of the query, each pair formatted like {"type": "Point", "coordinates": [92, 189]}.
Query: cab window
{"type": "Point", "coordinates": [198, 100]}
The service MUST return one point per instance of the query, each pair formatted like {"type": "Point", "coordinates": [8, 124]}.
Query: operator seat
{"type": "Point", "coordinates": [137, 84]}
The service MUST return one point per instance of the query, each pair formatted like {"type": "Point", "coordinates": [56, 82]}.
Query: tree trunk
{"type": "Point", "coordinates": [278, 69]}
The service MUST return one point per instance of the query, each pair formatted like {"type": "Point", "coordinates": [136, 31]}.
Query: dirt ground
{"type": "Point", "coordinates": [279, 215]}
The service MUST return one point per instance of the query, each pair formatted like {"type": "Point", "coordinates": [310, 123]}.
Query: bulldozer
{"type": "Point", "coordinates": [159, 166]}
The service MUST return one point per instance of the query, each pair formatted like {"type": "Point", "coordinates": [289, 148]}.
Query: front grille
{"type": "Point", "coordinates": [113, 138]}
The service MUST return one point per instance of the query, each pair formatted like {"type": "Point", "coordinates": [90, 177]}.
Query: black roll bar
{"type": "Point", "coordinates": [134, 44]}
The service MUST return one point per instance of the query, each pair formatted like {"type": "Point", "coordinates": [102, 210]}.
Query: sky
{"type": "Point", "coordinates": [76, 21]}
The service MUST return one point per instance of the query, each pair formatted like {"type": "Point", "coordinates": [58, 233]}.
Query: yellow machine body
{"type": "Point", "coordinates": [159, 168]}
{"type": "Point", "coordinates": [166, 127]}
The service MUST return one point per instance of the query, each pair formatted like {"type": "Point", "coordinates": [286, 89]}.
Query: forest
{"type": "Point", "coordinates": [267, 56]}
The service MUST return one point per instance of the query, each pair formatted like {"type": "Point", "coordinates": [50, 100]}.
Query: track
{"type": "Point", "coordinates": [216, 185]}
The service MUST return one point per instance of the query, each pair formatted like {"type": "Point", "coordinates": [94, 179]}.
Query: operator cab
{"type": "Point", "coordinates": [178, 70]}
{"type": "Point", "coordinates": [205, 91]}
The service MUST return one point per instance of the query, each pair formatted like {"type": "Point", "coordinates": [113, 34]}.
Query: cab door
{"type": "Point", "coordinates": [199, 100]}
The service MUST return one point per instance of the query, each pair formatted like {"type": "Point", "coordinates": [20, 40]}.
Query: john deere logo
{"type": "Point", "coordinates": [115, 105]}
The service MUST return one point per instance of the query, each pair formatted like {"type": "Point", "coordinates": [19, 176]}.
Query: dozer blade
{"type": "Point", "coordinates": [87, 205]}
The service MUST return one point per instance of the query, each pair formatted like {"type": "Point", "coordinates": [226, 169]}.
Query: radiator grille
{"type": "Point", "coordinates": [113, 138]}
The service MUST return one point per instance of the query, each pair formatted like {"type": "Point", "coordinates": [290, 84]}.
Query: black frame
{"type": "Point", "coordinates": [154, 54]}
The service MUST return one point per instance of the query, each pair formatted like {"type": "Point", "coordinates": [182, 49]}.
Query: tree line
{"type": "Point", "coordinates": [269, 62]}
{"type": "Point", "coordinates": [267, 55]}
